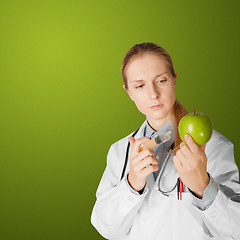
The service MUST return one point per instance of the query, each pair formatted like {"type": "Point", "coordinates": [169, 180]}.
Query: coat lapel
{"type": "Point", "coordinates": [141, 130]}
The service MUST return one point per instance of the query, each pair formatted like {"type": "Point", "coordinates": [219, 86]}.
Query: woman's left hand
{"type": "Point", "coordinates": [191, 163]}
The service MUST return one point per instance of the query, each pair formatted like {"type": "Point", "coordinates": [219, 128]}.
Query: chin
{"type": "Point", "coordinates": [159, 115]}
{"type": "Point", "coordinates": [156, 116]}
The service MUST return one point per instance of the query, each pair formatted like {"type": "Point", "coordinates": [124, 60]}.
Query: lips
{"type": "Point", "coordinates": [157, 106]}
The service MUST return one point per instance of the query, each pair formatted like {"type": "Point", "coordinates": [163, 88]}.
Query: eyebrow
{"type": "Point", "coordinates": [140, 80]}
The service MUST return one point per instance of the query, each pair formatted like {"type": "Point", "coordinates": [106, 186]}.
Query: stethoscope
{"type": "Point", "coordinates": [166, 193]}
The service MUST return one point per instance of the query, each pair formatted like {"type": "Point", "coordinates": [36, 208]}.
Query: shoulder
{"type": "Point", "coordinates": [221, 163]}
{"type": "Point", "coordinates": [117, 155]}
{"type": "Point", "coordinates": [218, 141]}
{"type": "Point", "coordinates": [217, 145]}
{"type": "Point", "coordinates": [117, 151]}
{"type": "Point", "coordinates": [121, 145]}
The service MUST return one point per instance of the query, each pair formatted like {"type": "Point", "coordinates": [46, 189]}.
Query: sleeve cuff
{"type": "Point", "coordinates": [208, 196]}
{"type": "Point", "coordinates": [132, 190]}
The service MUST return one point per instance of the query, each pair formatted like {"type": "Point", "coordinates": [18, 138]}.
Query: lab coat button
{"type": "Point", "coordinates": [213, 214]}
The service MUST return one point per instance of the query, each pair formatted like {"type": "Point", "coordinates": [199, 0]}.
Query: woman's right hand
{"type": "Point", "coordinates": [141, 163]}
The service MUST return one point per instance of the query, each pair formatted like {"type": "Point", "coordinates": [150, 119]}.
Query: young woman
{"type": "Point", "coordinates": [138, 196]}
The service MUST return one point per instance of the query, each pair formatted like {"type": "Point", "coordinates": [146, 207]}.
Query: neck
{"type": "Point", "coordinates": [156, 124]}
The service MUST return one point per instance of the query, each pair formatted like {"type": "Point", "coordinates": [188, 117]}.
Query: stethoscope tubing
{"type": "Point", "coordinates": [126, 156]}
{"type": "Point", "coordinates": [160, 173]}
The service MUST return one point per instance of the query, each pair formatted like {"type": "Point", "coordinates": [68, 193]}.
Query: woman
{"type": "Point", "coordinates": [141, 200]}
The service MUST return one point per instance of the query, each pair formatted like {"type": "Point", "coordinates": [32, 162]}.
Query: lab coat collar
{"type": "Point", "coordinates": [140, 132]}
{"type": "Point", "coordinates": [146, 127]}
{"type": "Point", "coordinates": [150, 132]}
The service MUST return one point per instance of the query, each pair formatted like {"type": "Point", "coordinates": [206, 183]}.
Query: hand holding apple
{"type": "Point", "coordinates": [195, 129]}
{"type": "Point", "coordinates": [191, 163]}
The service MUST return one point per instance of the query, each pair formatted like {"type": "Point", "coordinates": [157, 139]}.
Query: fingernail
{"type": "Point", "coordinates": [186, 136]}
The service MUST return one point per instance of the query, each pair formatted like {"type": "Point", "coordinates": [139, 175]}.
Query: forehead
{"type": "Point", "coordinates": [146, 66]}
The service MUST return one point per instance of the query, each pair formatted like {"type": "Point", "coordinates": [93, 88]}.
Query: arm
{"type": "Point", "coordinates": [223, 216]}
{"type": "Point", "coordinates": [116, 206]}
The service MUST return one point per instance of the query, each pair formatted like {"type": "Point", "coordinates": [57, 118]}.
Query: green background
{"type": "Point", "coordinates": [62, 103]}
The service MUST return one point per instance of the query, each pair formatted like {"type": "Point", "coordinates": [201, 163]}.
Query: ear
{"type": "Point", "coordinates": [124, 87]}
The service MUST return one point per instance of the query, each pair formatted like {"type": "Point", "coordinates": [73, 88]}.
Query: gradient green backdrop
{"type": "Point", "coordinates": [62, 103]}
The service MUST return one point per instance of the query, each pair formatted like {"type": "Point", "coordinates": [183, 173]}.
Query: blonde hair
{"type": "Point", "coordinates": [140, 49]}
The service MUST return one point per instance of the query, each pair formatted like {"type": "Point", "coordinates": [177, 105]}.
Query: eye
{"type": "Point", "coordinates": [162, 80]}
{"type": "Point", "coordinates": [140, 86]}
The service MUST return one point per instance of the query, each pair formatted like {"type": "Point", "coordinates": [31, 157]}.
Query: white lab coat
{"type": "Point", "coordinates": [120, 214]}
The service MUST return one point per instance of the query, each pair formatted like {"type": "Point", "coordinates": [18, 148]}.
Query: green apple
{"type": "Point", "coordinates": [197, 125]}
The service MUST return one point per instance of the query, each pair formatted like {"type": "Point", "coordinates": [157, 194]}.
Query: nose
{"type": "Point", "coordinates": [153, 92]}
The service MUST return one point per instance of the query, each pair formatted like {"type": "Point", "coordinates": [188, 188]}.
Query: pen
{"type": "Point", "coordinates": [178, 184]}
{"type": "Point", "coordinates": [181, 188]}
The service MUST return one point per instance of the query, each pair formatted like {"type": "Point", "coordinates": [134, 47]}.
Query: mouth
{"type": "Point", "coordinates": [157, 107]}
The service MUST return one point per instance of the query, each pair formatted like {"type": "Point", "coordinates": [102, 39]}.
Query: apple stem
{"type": "Point", "coordinates": [194, 110]}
